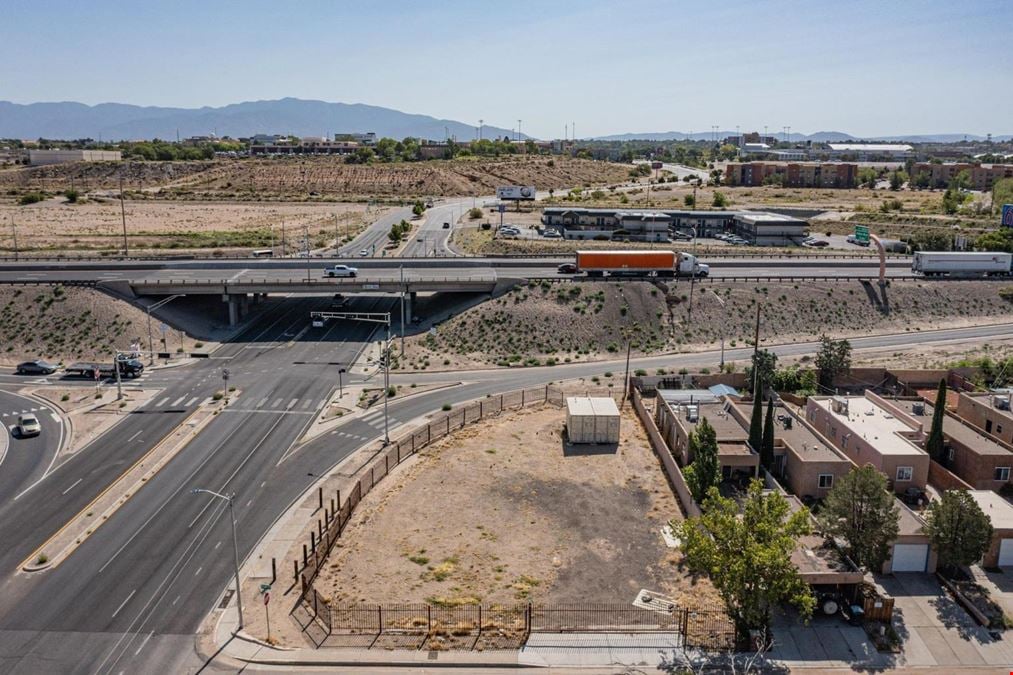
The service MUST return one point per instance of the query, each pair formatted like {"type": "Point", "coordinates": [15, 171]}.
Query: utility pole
{"type": "Point", "coordinates": [481, 123]}
{"type": "Point", "coordinates": [402, 309]}
{"type": "Point", "coordinates": [14, 232]}
{"type": "Point", "coordinates": [283, 239]}
{"type": "Point", "coordinates": [123, 215]}
{"type": "Point", "coordinates": [518, 130]}
{"type": "Point", "coordinates": [626, 378]}
{"type": "Point", "coordinates": [756, 353]}
{"type": "Point", "coordinates": [119, 378]}
{"type": "Point", "coordinates": [306, 250]}
{"type": "Point", "coordinates": [235, 547]}
{"type": "Point", "coordinates": [386, 383]}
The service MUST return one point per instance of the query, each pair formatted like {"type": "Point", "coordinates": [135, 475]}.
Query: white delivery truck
{"type": "Point", "coordinates": [962, 263]}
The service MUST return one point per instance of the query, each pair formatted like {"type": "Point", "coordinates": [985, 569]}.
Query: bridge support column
{"type": "Point", "coordinates": [237, 306]}
{"type": "Point", "coordinates": [409, 304]}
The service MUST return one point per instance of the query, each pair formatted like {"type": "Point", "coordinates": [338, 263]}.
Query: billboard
{"type": "Point", "coordinates": [1007, 215]}
{"type": "Point", "coordinates": [516, 192]}
{"type": "Point", "coordinates": [656, 165]}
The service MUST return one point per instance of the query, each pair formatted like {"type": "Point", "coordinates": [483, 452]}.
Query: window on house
{"type": "Point", "coordinates": [904, 473]}
{"type": "Point", "coordinates": [998, 429]}
{"type": "Point", "coordinates": [1001, 473]}
{"type": "Point", "coordinates": [826, 480]}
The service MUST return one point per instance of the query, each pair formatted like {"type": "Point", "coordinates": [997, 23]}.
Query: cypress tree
{"type": "Point", "coordinates": [767, 446]}
{"type": "Point", "coordinates": [934, 444]}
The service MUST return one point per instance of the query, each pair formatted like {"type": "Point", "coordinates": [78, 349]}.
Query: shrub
{"type": "Point", "coordinates": [71, 196]}
{"type": "Point", "coordinates": [30, 198]}
{"type": "Point", "coordinates": [218, 396]}
{"type": "Point", "coordinates": [447, 406]}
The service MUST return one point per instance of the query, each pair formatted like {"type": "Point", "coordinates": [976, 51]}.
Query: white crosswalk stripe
{"type": "Point", "coordinates": [260, 404]}
{"type": "Point", "coordinates": [277, 402]}
{"type": "Point", "coordinates": [306, 404]}
{"type": "Point", "coordinates": [179, 400]}
{"type": "Point", "coordinates": [162, 402]}
{"type": "Point", "coordinates": [192, 401]}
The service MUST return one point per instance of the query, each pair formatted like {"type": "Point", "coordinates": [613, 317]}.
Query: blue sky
{"type": "Point", "coordinates": [868, 68]}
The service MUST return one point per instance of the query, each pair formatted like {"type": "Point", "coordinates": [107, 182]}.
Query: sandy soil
{"type": "Point", "coordinates": [72, 324]}
{"type": "Point", "coordinates": [500, 514]}
{"type": "Point", "coordinates": [562, 322]}
{"type": "Point", "coordinates": [328, 177]}
{"type": "Point", "coordinates": [55, 225]}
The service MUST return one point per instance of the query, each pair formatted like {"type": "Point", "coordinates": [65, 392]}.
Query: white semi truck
{"type": "Point", "coordinates": [962, 263]}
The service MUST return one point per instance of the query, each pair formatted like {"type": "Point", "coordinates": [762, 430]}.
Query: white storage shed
{"type": "Point", "coordinates": [592, 420]}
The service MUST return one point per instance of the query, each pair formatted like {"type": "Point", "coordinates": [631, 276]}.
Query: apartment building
{"type": "Point", "coordinates": [982, 176]}
{"type": "Point", "coordinates": [869, 431]}
{"type": "Point", "coordinates": [793, 174]}
{"type": "Point", "coordinates": [804, 462]}
{"type": "Point", "coordinates": [989, 413]}
{"type": "Point", "coordinates": [678, 418]}
{"type": "Point", "coordinates": [980, 461]}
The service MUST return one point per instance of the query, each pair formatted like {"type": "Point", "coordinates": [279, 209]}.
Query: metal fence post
{"type": "Point", "coordinates": [295, 574]}
{"type": "Point", "coordinates": [313, 541]}
{"type": "Point", "coordinates": [304, 555]}
{"type": "Point", "coordinates": [320, 498]}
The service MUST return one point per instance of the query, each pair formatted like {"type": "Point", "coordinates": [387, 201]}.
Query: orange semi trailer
{"type": "Point", "coordinates": [639, 263]}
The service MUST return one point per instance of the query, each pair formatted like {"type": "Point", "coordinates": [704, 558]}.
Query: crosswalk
{"type": "Point", "coordinates": [168, 402]}
{"type": "Point", "coordinates": [375, 419]}
{"type": "Point", "coordinates": [38, 410]}
{"type": "Point", "coordinates": [281, 405]}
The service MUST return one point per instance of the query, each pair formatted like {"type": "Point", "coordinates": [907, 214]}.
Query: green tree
{"type": "Point", "coordinates": [474, 213]}
{"type": "Point", "coordinates": [922, 180]}
{"type": "Point", "coordinates": [935, 443]}
{"type": "Point", "coordinates": [861, 511]}
{"type": "Point", "coordinates": [867, 177]}
{"type": "Point", "coordinates": [959, 530]}
{"type": "Point", "coordinates": [897, 179]}
{"type": "Point", "coordinates": [765, 362]}
{"type": "Point", "coordinates": [951, 201]}
{"type": "Point", "coordinates": [418, 208]}
{"type": "Point", "coordinates": [1002, 193]}
{"type": "Point", "coordinates": [748, 557]}
{"type": "Point", "coordinates": [705, 471]}
{"type": "Point", "coordinates": [997, 240]}
{"type": "Point", "coordinates": [689, 200]}
{"type": "Point", "coordinates": [719, 200]}
{"type": "Point", "coordinates": [832, 359]}
{"type": "Point", "coordinates": [767, 446]}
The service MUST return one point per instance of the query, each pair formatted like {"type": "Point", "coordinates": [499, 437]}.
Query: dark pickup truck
{"type": "Point", "coordinates": [128, 368]}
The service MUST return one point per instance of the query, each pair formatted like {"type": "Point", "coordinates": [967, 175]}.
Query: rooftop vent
{"type": "Point", "coordinates": [918, 408]}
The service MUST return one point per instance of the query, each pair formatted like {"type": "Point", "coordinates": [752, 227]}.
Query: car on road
{"type": "Point", "coordinates": [339, 301]}
{"type": "Point", "coordinates": [446, 226]}
{"type": "Point", "coordinates": [852, 239]}
{"type": "Point", "coordinates": [341, 271]}
{"type": "Point", "coordinates": [552, 234]}
{"type": "Point", "coordinates": [681, 236]}
{"type": "Point", "coordinates": [567, 268]}
{"type": "Point", "coordinates": [817, 243]}
{"type": "Point", "coordinates": [36, 367]}
{"type": "Point", "coordinates": [28, 425]}
{"type": "Point", "coordinates": [364, 253]}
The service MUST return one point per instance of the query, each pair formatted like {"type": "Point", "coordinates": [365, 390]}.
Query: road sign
{"type": "Point", "coordinates": [862, 233]}
{"type": "Point", "coordinates": [1007, 215]}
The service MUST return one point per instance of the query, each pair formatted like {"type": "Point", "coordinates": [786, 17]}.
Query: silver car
{"type": "Point", "coordinates": [28, 425]}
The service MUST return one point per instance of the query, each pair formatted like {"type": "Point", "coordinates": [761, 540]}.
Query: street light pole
{"type": "Point", "coordinates": [14, 232]}
{"type": "Point", "coordinates": [386, 383]}
{"type": "Point", "coordinates": [123, 215]}
{"type": "Point", "coordinates": [402, 310]}
{"type": "Point", "coordinates": [235, 546]}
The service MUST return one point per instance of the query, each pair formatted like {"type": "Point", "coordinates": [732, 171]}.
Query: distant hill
{"type": "Point", "coordinates": [118, 121]}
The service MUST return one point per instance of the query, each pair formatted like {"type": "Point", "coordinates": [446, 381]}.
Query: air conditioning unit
{"type": "Point", "coordinates": [918, 408]}
{"type": "Point", "coordinates": [1001, 403]}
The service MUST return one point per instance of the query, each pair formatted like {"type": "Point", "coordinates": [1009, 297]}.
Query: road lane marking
{"type": "Point", "coordinates": [144, 643]}
{"type": "Point", "coordinates": [178, 400]}
{"type": "Point", "coordinates": [135, 435]}
{"type": "Point", "coordinates": [199, 570]}
{"type": "Point", "coordinates": [277, 402]}
{"type": "Point", "coordinates": [291, 404]}
{"type": "Point", "coordinates": [162, 402]}
{"type": "Point", "coordinates": [218, 544]}
{"type": "Point", "coordinates": [73, 485]}
{"type": "Point", "coordinates": [261, 403]}
{"type": "Point", "coordinates": [124, 602]}
{"type": "Point", "coordinates": [192, 401]}
{"type": "Point", "coordinates": [306, 404]}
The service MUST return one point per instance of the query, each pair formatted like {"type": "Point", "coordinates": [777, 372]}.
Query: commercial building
{"type": "Point", "coordinates": [367, 138]}
{"type": "Point", "coordinates": [792, 174]}
{"type": "Point", "coordinates": [867, 152]}
{"type": "Point", "coordinates": [981, 176]}
{"type": "Point", "coordinates": [770, 229]}
{"type": "Point", "coordinates": [45, 157]}
{"type": "Point", "coordinates": [975, 458]}
{"type": "Point", "coordinates": [307, 145]}
{"type": "Point", "coordinates": [868, 430]}
{"type": "Point", "coordinates": [1000, 512]}
{"type": "Point", "coordinates": [653, 225]}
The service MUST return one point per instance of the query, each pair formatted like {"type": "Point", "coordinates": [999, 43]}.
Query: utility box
{"type": "Point", "coordinates": [592, 420]}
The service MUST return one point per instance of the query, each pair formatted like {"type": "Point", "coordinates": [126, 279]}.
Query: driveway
{"type": "Point", "coordinates": [826, 642]}
{"type": "Point", "coordinates": [935, 630]}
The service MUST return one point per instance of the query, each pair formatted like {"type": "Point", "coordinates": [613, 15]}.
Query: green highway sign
{"type": "Point", "coordinates": [861, 233]}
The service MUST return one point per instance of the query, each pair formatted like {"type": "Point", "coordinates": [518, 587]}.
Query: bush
{"type": "Point", "coordinates": [71, 196]}
{"type": "Point", "coordinates": [475, 213]}
{"type": "Point", "coordinates": [30, 198]}
{"type": "Point", "coordinates": [218, 396]}
{"type": "Point", "coordinates": [447, 406]}
{"type": "Point", "coordinates": [391, 391]}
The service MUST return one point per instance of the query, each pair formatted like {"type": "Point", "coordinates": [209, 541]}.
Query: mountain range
{"type": "Point", "coordinates": [819, 136]}
{"type": "Point", "coordinates": [298, 117]}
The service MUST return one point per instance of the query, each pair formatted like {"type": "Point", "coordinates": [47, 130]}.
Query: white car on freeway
{"type": "Point", "coordinates": [341, 271]}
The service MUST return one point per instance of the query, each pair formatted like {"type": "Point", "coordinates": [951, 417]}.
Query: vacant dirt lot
{"type": "Point", "coordinates": [71, 324]}
{"type": "Point", "coordinates": [500, 514]}
{"type": "Point", "coordinates": [97, 224]}
{"type": "Point", "coordinates": [323, 178]}
{"type": "Point", "coordinates": [550, 323]}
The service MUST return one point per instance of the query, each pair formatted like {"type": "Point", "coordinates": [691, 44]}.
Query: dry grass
{"type": "Point", "coordinates": [498, 514]}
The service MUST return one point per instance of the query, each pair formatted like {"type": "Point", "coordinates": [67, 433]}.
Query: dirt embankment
{"type": "Point", "coordinates": [61, 324]}
{"type": "Point", "coordinates": [314, 178]}
{"type": "Point", "coordinates": [549, 323]}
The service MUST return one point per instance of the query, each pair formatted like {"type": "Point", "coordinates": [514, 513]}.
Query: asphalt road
{"type": "Point", "coordinates": [25, 460]}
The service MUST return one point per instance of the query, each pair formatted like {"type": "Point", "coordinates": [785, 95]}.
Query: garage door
{"type": "Point", "coordinates": [1006, 553]}
{"type": "Point", "coordinates": [910, 557]}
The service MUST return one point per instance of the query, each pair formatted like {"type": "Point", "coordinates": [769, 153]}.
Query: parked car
{"type": "Point", "coordinates": [818, 243]}
{"type": "Point", "coordinates": [552, 234]}
{"type": "Point", "coordinates": [341, 271]}
{"type": "Point", "coordinates": [28, 425]}
{"type": "Point", "coordinates": [567, 268]}
{"type": "Point", "coordinates": [36, 367]}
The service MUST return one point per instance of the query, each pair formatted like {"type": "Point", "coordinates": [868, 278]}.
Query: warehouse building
{"type": "Point", "coordinates": [770, 229]}
{"type": "Point", "coordinates": [868, 152]}
{"type": "Point", "coordinates": [46, 157]}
